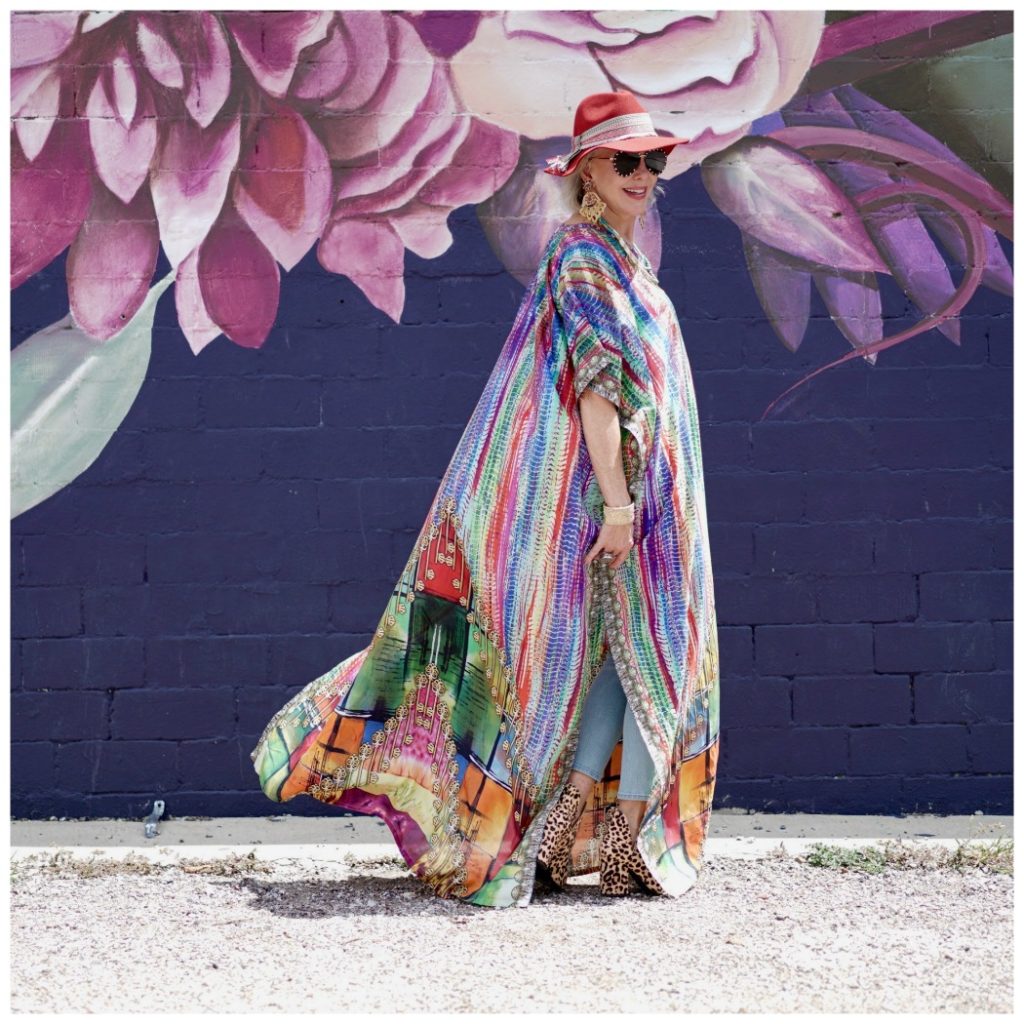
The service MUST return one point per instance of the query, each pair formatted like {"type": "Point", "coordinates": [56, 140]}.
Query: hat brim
{"type": "Point", "coordinates": [640, 145]}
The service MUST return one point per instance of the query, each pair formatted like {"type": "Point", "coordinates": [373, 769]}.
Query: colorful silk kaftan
{"type": "Point", "coordinates": [458, 723]}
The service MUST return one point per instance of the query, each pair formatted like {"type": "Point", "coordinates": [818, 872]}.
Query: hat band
{"type": "Point", "coordinates": [625, 126]}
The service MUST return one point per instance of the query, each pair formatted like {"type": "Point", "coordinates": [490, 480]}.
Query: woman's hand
{"type": "Point", "coordinates": [615, 538]}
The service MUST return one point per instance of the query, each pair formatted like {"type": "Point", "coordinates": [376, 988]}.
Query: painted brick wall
{"type": "Point", "coordinates": [241, 534]}
{"type": "Point", "coordinates": [242, 531]}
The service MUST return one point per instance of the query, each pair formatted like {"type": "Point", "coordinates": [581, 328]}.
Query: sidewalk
{"type": "Point", "coordinates": [733, 834]}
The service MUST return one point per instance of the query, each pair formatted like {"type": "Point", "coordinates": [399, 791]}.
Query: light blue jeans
{"type": "Point", "coordinates": [606, 719]}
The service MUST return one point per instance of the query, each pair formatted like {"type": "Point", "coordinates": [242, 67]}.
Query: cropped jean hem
{"type": "Point", "coordinates": [597, 775]}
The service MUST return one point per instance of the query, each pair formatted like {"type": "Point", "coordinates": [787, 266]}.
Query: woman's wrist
{"type": "Point", "coordinates": [620, 496]}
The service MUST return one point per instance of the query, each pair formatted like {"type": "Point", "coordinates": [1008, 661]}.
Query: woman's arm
{"type": "Point", "coordinates": [601, 431]}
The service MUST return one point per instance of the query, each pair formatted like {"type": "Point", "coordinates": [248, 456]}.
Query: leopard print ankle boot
{"type": "Point", "coordinates": [554, 858]}
{"type": "Point", "coordinates": [623, 870]}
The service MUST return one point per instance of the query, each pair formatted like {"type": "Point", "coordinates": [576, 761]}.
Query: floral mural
{"type": "Point", "coordinates": [234, 143]}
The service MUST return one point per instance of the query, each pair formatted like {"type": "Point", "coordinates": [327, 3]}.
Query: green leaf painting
{"type": "Point", "coordinates": [69, 394]}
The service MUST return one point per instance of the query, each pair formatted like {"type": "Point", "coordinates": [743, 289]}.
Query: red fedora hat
{"type": "Point", "coordinates": [613, 119]}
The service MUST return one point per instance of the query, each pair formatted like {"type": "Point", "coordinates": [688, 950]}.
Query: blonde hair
{"type": "Point", "coordinates": [574, 185]}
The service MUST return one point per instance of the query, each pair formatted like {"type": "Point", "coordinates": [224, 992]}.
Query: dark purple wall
{"type": "Point", "coordinates": [242, 531]}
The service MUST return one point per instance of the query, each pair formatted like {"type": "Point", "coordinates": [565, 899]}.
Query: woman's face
{"type": "Point", "coordinates": [627, 197]}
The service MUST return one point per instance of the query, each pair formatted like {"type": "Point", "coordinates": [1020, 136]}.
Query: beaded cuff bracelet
{"type": "Point", "coordinates": [619, 514]}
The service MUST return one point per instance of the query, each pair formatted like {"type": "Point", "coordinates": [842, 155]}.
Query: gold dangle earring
{"type": "Point", "coordinates": [593, 205]}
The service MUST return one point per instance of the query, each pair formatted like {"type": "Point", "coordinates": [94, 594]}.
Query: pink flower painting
{"type": "Point", "coordinates": [235, 142]}
{"type": "Point", "coordinates": [704, 76]}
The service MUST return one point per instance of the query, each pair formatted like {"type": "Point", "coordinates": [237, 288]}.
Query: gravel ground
{"type": "Point", "coordinates": [771, 935]}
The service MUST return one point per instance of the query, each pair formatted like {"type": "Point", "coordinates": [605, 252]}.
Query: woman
{"type": "Point", "coordinates": [569, 525]}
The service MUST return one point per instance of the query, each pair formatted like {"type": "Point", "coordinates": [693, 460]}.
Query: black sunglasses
{"type": "Point", "coordinates": [626, 164]}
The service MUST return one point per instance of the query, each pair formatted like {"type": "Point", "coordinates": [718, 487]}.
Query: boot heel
{"type": "Point", "coordinates": [616, 878]}
{"type": "Point", "coordinates": [554, 857]}
{"type": "Point", "coordinates": [622, 868]}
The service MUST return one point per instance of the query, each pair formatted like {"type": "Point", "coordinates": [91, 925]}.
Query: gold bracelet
{"type": "Point", "coordinates": [617, 515]}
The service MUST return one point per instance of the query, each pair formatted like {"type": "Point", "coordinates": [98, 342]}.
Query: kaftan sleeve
{"type": "Point", "coordinates": [589, 308]}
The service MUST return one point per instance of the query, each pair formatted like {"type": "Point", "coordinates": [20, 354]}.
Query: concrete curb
{"type": "Point", "coordinates": [355, 839]}
{"type": "Point", "coordinates": [732, 848]}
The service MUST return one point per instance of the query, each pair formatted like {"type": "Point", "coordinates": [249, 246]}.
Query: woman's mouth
{"type": "Point", "coordinates": [636, 193]}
